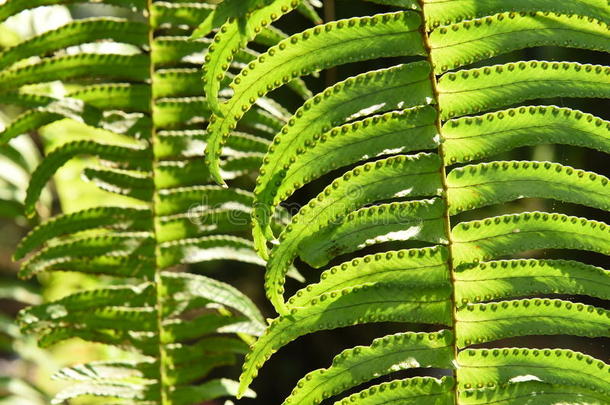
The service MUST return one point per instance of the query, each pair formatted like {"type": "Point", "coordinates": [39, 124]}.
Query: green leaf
{"type": "Point", "coordinates": [135, 340]}
{"type": "Point", "coordinates": [421, 220]}
{"type": "Point", "coordinates": [90, 251]}
{"type": "Point", "coordinates": [521, 278]}
{"type": "Point", "coordinates": [307, 11]}
{"type": "Point", "coordinates": [133, 219]}
{"type": "Point", "coordinates": [178, 112]}
{"type": "Point", "coordinates": [207, 248]}
{"type": "Point", "coordinates": [188, 286]}
{"type": "Point", "coordinates": [117, 265]}
{"type": "Point", "coordinates": [178, 330]}
{"type": "Point", "coordinates": [507, 234]}
{"type": "Point", "coordinates": [183, 353]}
{"type": "Point", "coordinates": [481, 89]}
{"type": "Point", "coordinates": [208, 391]}
{"type": "Point", "coordinates": [138, 186]}
{"type": "Point", "coordinates": [356, 305]}
{"type": "Point", "coordinates": [170, 113]}
{"type": "Point", "coordinates": [129, 391]}
{"type": "Point", "coordinates": [115, 96]}
{"type": "Point", "coordinates": [502, 367]}
{"type": "Point", "coordinates": [387, 134]}
{"type": "Point", "coordinates": [177, 82]}
{"type": "Point", "coordinates": [476, 186]}
{"type": "Point", "coordinates": [473, 138]}
{"type": "Point", "coordinates": [106, 317]}
{"type": "Point", "coordinates": [26, 99]}
{"type": "Point", "coordinates": [182, 173]}
{"type": "Point", "coordinates": [327, 45]}
{"type": "Point", "coordinates": [399, 176]}
{"type": "Point", "coordinates": [200, 198]}
{"type": "Point", "coordinates": [11, 209]}
{"type": "Point", "coordinates": [233, 36]}
{"type": "Point", "coordinates": [474, 40]}
{"type": "Point", "coordinates": [75, 33]}
{"type": "Point", "coordinates": [410, 391]}
{"type": "Point", "coordinates": [195, 223]}
{"type": "Point", "coordinates": [191, 143]}
{"type": "Point", "coordinates": [167, 14]}
{"type": "Point", "coordinates": [177, 50]}
{"type": "Point", "coordinates": [90, 65]}
{"type": "Point", "coordinates": [104, 370]}
{"type": "Point", "coordinates": [126, 296]}
{"type": "Point", "coordinates": [540, 392]}
{"type": "Point", "coordinates": [55, 110]}
{"type": "Point", "coordinates": [413, 268]}
{"type": "Point", "coordinates": [447, 12]}
{"type": "Point", "coordinates": [226, 10]}
{"type": "Point", "coordinates": [196, 370]}
{"type": "Point", "coordinates": [482, 323]}
{"type": "Point", "coordinates": [84, 106]}
{"type": "Point", "coordinates": [129, 157]}
{"type": "Point", "coordinates": [384, 356]}
{"type": "Point", "coordinates": [15, 6]}
{"type": "Point", "coordinates": [374, 92]}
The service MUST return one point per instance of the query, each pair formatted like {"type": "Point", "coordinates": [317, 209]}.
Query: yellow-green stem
{"type": "Point", "coordinates": [443, 174]}
{"type": "Point", "coordinates": [163, 388]}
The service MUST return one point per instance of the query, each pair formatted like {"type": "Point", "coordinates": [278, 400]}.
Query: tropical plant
{"type": "Point", "coordinates": [456, 116]}
{"type": "Point", "coordinates": [134, 82]}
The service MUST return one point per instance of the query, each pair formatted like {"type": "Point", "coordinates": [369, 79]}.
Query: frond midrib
{"type": "Point", "coordinates": [444, 183]}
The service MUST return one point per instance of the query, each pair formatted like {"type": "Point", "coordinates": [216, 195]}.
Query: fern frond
{"type": "Point", "coordinates": [468, 42]}
{"type": "Point", "coordinates": [413, 220]}
{"type": "Point", "coordinates": [556, 367]}
{"type": "Point", "coordinates": [417, 268]}
{"type": "Point", "coordinates": [16, 6]}
{"type": "Point", "coordinates": [481, 323]}
{"type": "Point", "coordinates": [136, 219]}
{"type": "Point", "coordinates": [541, 392]}
{"type": "Point", "coordinates": [208, 248]}
{"type": "Point", "coordinates": [143, 96]}
{"type": "Point", "coordinates": [482, 89]}
{"type": "Point", "coordinates": [373, 92]}
{"type": "Point", "coordinates": [130, 158]}
{"type": "Point", "coordinates": [474, 138]}
{"type": "Point", "coordinates": [385, 355]}
{"type": "Point", "coordinates": [448, 12]}
{"type": "Point", "coordinates": [410, 391]}
{"type": "Point", "coordinates": [520, 278]}
{"type": "Point", "coordinates": [229, 9]}
{"type": "Point", "coordinates": [354, 137]}
{"type": "Point", "coordinates": [384, 179]}
{"type": "Point", "coordinates": [507, 234]}
{"type": "Point", "coordinates": [76, 33]}
{"type": "Point", "coordinates": [476, 186]}
{"type": "Point", "coordinates": [233, 36]}
{"type": "Point", "coordinates": [343, 41]}
{"type": "Point", "coordinates": [108, 66]}
{"type": "Point", "coordinates": [349, 306]}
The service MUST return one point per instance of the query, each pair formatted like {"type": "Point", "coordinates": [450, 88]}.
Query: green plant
{"type": "Point", "coordinates": [459, 117]}
{"type": "Point", "coordinates": [18, 358]}
{"type": "Point", "coordinates": [134, 82]}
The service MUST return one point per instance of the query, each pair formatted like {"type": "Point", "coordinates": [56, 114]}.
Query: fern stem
{"type": "Point", "coordinates": [165, 398]}
{"type": "Point", "coordinates": [443, 174]}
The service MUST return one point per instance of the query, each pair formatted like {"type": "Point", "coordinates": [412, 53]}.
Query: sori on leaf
{"type": "Point", "coordinates": [417, 144]}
